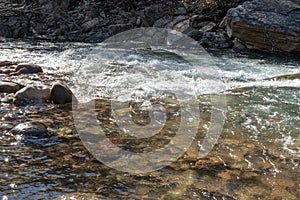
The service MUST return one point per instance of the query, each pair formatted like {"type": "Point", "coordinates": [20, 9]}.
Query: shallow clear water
{"type": "Point", "coordinates": [256, 156]}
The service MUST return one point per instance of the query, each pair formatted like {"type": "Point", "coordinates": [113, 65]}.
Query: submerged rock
{"type": "Point", "coordinates": [30, 129]}
{"type": "Point", "coordinates": [27, 69]}
{"type": "Point", "coordinates": [61, 94]}
{"type": "Point", "coordinates": [9, 87]}
{"type": "Point", "coordinates": [33, 134]}
{"type": "Point", "coordinates": [32, 94]}
{"type": "Point", "coordinates": [267, 25]}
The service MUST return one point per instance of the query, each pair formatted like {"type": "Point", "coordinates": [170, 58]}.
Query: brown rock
{"type": "Point", "coordinates": [32, 94]}
{"type": "Point", "coordinates": [27, 69]}
{"type": "Point", "coordinates": [7, 71]}
{"type": "Point", "coordinates": [9, 87]}
{"type": "Point", "coordinates": [61, 94]}
{"type": "Point", "coordinates": [286, 77]}
{"type": "Point", "coordinates": [6, 63]}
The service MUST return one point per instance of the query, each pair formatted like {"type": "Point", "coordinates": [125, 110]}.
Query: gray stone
{"type": "Point", "coordinates": [97, 37]}
{"type": "Point", "coordinates": [9, 87]}
{"type": "Point", "coordinates": [150, 14]}
{"type": "Point", "coordinates": [178, 19]}
{"type": "Point", "coordinates": [193, 33]}
{"type": "Point", "coordinates": [5, 30]}
{"type": "Point", "coordinates": [118, 28]}
{"type": "Point", "coordinates": [180, 11]}
{"type": "Point", "coordinates": [182, 26]}
{"type": "Point", "coordinates": [162, 22]}
{"type": "Point", "coordinates": [208, 27]}
{"type": "Point", "coordinates": [91, 23]}
{"type": "Point", "coordinates": [61, 94]}
{"type": "Point", "coordinates": [32, 95]}
{"type": "Point", "coordinates": [216, 39]}
{"type": "Point", "coordinates": [267, 25]}
{"type": "Point", "coordinates": [197, 21]}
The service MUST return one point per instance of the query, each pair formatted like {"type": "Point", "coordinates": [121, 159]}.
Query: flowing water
{"type": "Point", "coordinates": [257, 155]}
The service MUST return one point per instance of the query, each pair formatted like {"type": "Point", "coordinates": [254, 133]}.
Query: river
{"type": "Point", "coordinates": [257, 155]}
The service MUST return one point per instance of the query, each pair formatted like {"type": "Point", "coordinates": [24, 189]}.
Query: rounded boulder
{"type": "Point", "coordinates": [61, 94]}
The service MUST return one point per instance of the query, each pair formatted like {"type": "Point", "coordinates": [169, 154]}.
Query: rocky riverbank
{"type": "Point", "coordinates": [97, 20]}
{"type": "Point", "coordinates": [19, 94]}
{"type": "Point", "coordinates": [267, 25]}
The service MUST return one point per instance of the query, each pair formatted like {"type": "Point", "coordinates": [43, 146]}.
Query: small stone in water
{"type": "Point", "coordinates": [30, 129]}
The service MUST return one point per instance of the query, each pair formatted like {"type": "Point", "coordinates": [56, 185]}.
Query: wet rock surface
{"type": "Point", "coordinates": [32, 94]}
{"type": "Point", "coordinates": [266, 25]}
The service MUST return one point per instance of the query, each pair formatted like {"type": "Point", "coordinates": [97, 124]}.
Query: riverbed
{"type": "Point", "coordinates": [257, 155]}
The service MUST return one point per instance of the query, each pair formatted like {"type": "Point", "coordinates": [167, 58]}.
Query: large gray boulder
{"type": "Point", "coordinates": [267, 25]}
